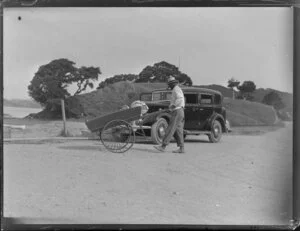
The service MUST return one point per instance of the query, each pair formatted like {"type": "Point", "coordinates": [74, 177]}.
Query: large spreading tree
{"type": "Point", "coordinates": [50, 83]}
{"type": "Point", "coordinates": [160, 72]}
{"type": "Point", "coordinates": [117, 78]}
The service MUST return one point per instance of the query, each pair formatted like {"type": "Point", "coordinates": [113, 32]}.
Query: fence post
{"type": "Point", "coordinates": [64, 116]}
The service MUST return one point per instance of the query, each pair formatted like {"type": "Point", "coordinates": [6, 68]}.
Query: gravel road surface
{"type": "Point", "coordinates": [244, 179]}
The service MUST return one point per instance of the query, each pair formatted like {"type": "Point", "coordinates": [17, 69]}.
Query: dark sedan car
{"type": "Point", "coordinates": [204, 113]}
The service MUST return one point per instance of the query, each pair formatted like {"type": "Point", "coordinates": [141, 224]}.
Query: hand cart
{"type": "Point", "coordinates": [117, 130]}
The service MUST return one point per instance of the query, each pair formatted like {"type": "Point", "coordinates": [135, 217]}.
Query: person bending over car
{"type": "Point", "coordinates": [175, 127]}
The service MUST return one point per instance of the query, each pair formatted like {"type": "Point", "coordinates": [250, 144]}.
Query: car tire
{"type": "Point", "coordinates": [216, 132]}
{"type": "Point", "coordinates": [158, 130]}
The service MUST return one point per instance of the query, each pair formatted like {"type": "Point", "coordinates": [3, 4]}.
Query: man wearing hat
{"type": "Point", "coordinates": [176, 124]}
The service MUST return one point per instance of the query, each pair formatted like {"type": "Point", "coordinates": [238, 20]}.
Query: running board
{"type": "Point", "coordinates": [196, 132]}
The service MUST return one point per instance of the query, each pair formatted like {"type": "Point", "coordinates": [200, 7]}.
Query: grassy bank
{"type": "Point", "coordinates": [113, 97]}
{"type": "Point", "coordinates": [246, 113]}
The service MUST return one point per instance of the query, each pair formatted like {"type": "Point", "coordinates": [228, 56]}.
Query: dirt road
{"type": "Point", "coordinates": [241, 180]}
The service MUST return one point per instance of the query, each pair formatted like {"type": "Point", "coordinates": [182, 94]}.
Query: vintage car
{"type": "Point", "coordinates": [204, 113]}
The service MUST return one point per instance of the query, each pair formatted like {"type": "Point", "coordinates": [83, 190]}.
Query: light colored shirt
{"type": "Point", "coordinates": [177, 98]}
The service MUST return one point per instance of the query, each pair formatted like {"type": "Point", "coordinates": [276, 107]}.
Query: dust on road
{"type": "Point", "coordinates": [241, 180]}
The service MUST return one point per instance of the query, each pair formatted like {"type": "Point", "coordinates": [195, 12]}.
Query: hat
{"type": "Point", "coordinates": [172, 80]}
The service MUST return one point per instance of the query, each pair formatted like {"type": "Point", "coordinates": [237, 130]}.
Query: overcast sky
{"type": "Point", "coordinates": [214, 44]}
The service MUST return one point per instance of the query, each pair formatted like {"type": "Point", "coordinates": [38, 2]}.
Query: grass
{"type": "Point", "coordinates": [246, 113]}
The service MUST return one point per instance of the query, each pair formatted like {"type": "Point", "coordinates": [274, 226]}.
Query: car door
{"type": "Point", "coordinates": [206, 109]}
{"type": "Point", "coordinates": [191, 111]}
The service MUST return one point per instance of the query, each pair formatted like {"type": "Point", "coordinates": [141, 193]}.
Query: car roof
{"type": "Point", "coordinates": [193, 89]}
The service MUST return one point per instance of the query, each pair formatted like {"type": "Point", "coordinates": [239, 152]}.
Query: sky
{"type": "Point", "coordinates": [210, 45]}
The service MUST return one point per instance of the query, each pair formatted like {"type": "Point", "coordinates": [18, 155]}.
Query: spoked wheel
{"type": "Point", "coordinates": [117, 136]}
{"type": "Point", "coordinates": [158, 130]}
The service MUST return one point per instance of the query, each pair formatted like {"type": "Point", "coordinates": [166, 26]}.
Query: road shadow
{"type": "Point", "coordinates": [22, 223]}
{"type": "Point", "coordinates": [188, 140]}
{"type": "Point", "coordinates": [144, 150]}
{"type": "Point", "coordinates": [103, 149]}
{"type": "Point", "coordinates": [196, 141]}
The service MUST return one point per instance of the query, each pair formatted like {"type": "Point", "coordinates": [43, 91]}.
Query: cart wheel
{"type": "Point", "coordinates": [117, 136]}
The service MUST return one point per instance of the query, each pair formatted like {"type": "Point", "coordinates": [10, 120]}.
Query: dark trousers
{"type": "Point", "coordinates": [175, 128]}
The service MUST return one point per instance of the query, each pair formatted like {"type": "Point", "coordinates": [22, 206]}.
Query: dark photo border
{"type": "Point", "coordinates": [14, 224]}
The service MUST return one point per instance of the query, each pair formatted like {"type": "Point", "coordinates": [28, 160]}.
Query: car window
{"type": "Point", "coordinates": [206, 99]}
{"type": "Point", "coordinates": [191, 98]}
{"type": "Point", "coordinates": [165, 95]}
{"type": "Point", "coordinates": [146, 97]}
{"type": "Point", "coordinates": [168, 96]}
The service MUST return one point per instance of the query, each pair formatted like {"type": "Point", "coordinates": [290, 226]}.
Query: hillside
{"type": "Point", "coordinates": [111, 98]}
{"type": "Point", "coordinates": [258, 95]}
{"type": "Point", "coordinates": [246, 113]}
{"type": "Point", "coordinates": [287, 98]}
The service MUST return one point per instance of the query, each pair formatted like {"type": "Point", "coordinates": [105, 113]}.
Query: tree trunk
{"type": "Point", "coordinates": [64, 117]}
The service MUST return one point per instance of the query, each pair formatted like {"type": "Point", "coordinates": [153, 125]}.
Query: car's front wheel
{"type": "Point", "coordinates": [158, 130]}
{"type": "Point", "coordinates": [216, 132]}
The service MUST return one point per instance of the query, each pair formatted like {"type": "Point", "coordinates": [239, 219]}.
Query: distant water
{"type": "Point", "coordinates": [19, 112]}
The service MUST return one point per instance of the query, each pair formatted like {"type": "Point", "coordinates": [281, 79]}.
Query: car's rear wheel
{"type": "Point", "coordinates": [216, 132]}
{"type": "Point", "coordinates": [158, 130]}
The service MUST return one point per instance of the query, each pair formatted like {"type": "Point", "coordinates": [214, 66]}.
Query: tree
{"type": "Point", "coordinates": [160, 72]}
{"type": "Point", "coordinates": [233, 83]}
{"type": "Point", "coordinates": [50, 82]}
{"type": "Point", "coordinates": [117, 78]}
{"type": "Point", "coordinates": [246, 89]}
{"type": "Point", "coordinates": [273, 99]}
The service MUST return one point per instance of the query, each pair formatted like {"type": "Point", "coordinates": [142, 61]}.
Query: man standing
{"type": "Point", "coordinates": [176, 124]}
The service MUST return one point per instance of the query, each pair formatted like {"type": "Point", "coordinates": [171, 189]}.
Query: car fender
{"type": "Point", "coordinates": [164, 115]}
{"type": "Point", "coordinates": [217, 116]}
{"type": "Point", "coordinates": [151, 118]}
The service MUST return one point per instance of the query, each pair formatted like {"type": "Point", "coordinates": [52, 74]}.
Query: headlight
{"type": "Point", "coordinates": [142, 104]}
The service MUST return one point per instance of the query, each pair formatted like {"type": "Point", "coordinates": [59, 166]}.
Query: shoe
{"type": "Point", "coordinates": [159, 148]}
{"type": "Point", "coordinates": [180, 150]}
